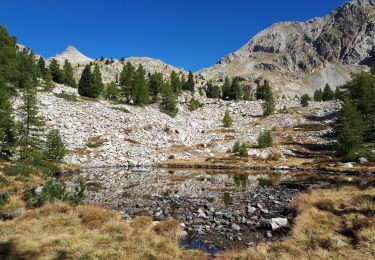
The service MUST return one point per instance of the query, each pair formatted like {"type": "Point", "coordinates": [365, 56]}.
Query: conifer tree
{"type": "Point", "coordinates": [156, 83]}
{"type": "Point", "coordinates": [236, 92]}
{"type": "Point", "coordinates": [305, 100]}
{"type": "Point", "coordinates": [111, 91]}
{"type": "Point", "coordinates": [7, 134]}
{"type": "Point", "coordinates": [85, 82]}
{"type": "Point", "coordinates": [227, 120]}
{"type": "Point", "coordinates": [269, 104]}
{"type": "Point", "coordinates": [31, 126]}
{"type": "Point", "coordinates": [68, 78]}
{"type": "Point", "coordinates": [27, 69]}
{"type": "Point", "coordinates": [194, 104]}
{"type": "Point", "coordinates": [175, 82]}
{"type": "Point", "coordinates": [54, 148]}
{"type": "Point", "coordinates": [349, 132]}
{"type": "Point", "coordinates": [97, 83]}
{"type": "Point", "coordinates": [328, 93]}
{"type": "Point", "coordinates": [213, 91]}
{"type": "Point", "coordinates": [8, 56]}
{"type": "Point", "coordinates": [141, 87]}
{"type": "Point", "coordinates": [42, 68]}
{"type": "Point", "coordinates": [190, 84]}
{"type": "Point", "coordinates": [226, 89]}
{"type": "Point", "coordinates": [126, 80]}
{"type": "Point", "coordinates": [318, 95]}
{"type": "Point", "coordinates": [168, 103]}
{"type": "Point", "coordinates": [57, 75]}
{"type": "Point", "coordinates": [48, 84]}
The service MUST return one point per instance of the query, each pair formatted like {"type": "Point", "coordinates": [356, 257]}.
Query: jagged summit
{"type": "Point", "coordinates": [72, 55]}
{"type": "Point", "coordinates": [298, 57]}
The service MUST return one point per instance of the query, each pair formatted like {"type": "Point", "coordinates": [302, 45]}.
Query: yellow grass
{"type": "Point", "coordinates": [59, 231]}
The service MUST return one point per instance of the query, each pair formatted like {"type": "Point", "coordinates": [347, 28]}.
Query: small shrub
{"type": "Point", "coordinates": [274, 156]}
{"type": "Point", "coordinates": [236, 147]}
{"type": "Point", "coordinates": [167, 129]}
{"type": "Point", "coordinates": [284, 110]}
{"type": "Point", "coordinates": [194, 104]}
{"type": "Point", "coordinates": [4, 198]}
{"type": "Point", "coordinates": [243, 150]}
{"type": "Point", "coordinates": [290, 138]}
{"type": "Point", "coordinates": [227, 120]}
{"type": "Point", "coordinates": [265, 139]}
{"type": "Point", "coordinates": [265, 182]}
{"type": "Point", "coordinates": [95, 142]}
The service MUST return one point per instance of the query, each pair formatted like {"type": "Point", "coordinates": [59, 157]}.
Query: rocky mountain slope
{"type": "Point", "coordinates": [298, 57]}
{"type": "Point", "coordinates": [111, 68]}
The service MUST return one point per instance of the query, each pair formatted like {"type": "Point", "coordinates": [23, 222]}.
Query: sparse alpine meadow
{"type": "Point", "coordinates": [269, 154]}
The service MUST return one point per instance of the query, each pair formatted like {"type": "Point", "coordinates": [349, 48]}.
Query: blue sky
{"type": "Point", "coordinates": [190, 34]}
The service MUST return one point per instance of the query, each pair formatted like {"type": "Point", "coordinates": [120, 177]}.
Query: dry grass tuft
{"type": "Point", "coordinates": [169, 228]}
{"type": "Point", "coordinates": [60, 231]}
{"type": "Point", "coordinates": [323, 229]}
{"type": "Point", "coordinates": [95, 217]}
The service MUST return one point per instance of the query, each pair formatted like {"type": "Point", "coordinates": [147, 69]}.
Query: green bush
{"type": "Point", "coordinates": [243, 150]}
{"type": "Point", "coordinates": [236, 147]}
{"type": "Point", "coordinates": [55, 191]}
{"type": "Point", "coordinates": [4, 198]}
{"type": "Point", "coordinates": [305, 100]}
{"type": "Point", "coordinates": [265, 139]}
{"type": "Point", "coordinates": [194, 104]}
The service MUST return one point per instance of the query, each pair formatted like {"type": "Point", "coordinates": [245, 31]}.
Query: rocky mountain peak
{"type": "Point", "coordinates": [72, 55]}
{"type": "Point", "coordinates": [298, 57]}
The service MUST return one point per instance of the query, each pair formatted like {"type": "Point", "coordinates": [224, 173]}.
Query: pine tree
{"type": "Point", "coordinates": [168, 103]}
{"type": "Point", "coordinates": [175, 82]}
{"type": "Point", "coordinates": [190, 84]}
{"type": "Point", "coordinates": [8, 57]}
{"type": "Point", "coordinates": [227, 119]}
{"type": "Point", "coordinates": [48, 84]}
{"type": "Point", "coordinates": [328, 94]}
{"type": "Point", "coordinates": [305, 100]}
{"type": "Point", "coordinates": [213, 91]}
{"type": "Point", "coordinates": [236, 92]}
{"type": "Point", "coordinates": [226, 89]}
{"type": "Point", "coordinates": [85, 82]}
{"type": "Point", "coordinates": [126, 80]}
{"type": "Point", "coordinates": [7, 131]}
{"type": "Point", "coordinates": [349, 132]}
{"type": "Point", "coordinates": [318, 95]}
{"type": "Point", "coordinates": [31, 126]}
{"type": "Point", "coordinates": [97, 86]}
{"type": "Point", "coordinates": [57, 75]}
{"type": "Point", "coordinates": [236, 147]}
{"type": "Point", "coordinates": [111, 92]}
{"type": "Point", "coordinates": [42, 68]}
{"type": "Point", "coordinates": [267, 96]}
{"type": "Point", "coordinates": [141, 88]}
{"type": "Point", "coordinates": [156, 83]}
{"type": "Point", "coordinates": [68, 78]}
{"type": "Point", "coordinates": [27, 68]}
{"type": "Point", "coordinates": [54, 148]}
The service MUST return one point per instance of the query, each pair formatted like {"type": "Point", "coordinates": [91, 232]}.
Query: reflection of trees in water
{"type": "Point", "coordinates": [241, 179]}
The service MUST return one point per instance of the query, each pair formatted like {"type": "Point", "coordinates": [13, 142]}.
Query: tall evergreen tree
{"type": "Point", "coordinates": [68, 78]}
{"type": "Point", "coordinates": [156, 83]}
{"type": "Point", "coordinates": [318, 95]}
{"type": "Point", "coordinates": [31, 126]}
{"type": "Point", "coordinates": [57, 75]}
{"type": "Point", "coordinates": [8, 56]}
{"type": "Point", "coordinates": [328, 93]}
{"type": "Point", "coordinates": [212, 91]}
{"type": "Point", "coordinates": [269, 104]}
{"type": "Point", "coordinates": [97, 86]}
{"type": "Point", "coordinates": [190, 84]}
{"type": "Point", "coordinates": [85, 82]}
{"type": "Point", "coordinates": [349, 132]}
{"type": "Point", "coordinates": [126, 80]}
{"type": "Point", "coordinates": [141, 88]}
{"type": "Point", "coordinates": [175, 82]}
{"type": "Point", "coordinates": [48, 84]}
{"type": "Point", "coordinates": [42, 68]}
{"type": "Point", "coordinates": [226, 89]}
{"type": "Point", "coordinates": [27, 69]}
{"type": "Point", "coordinates": [236, 92]}
{"type": "Point", "coordinates": [7, 134]}
{"type": "Point", "coordinates": [168, 103]}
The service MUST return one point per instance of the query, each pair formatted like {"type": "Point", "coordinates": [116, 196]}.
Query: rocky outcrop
{"type": "Point", "coordinates": [72, 55]}
{"type": "Point", "coordinates": [298, 57]}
